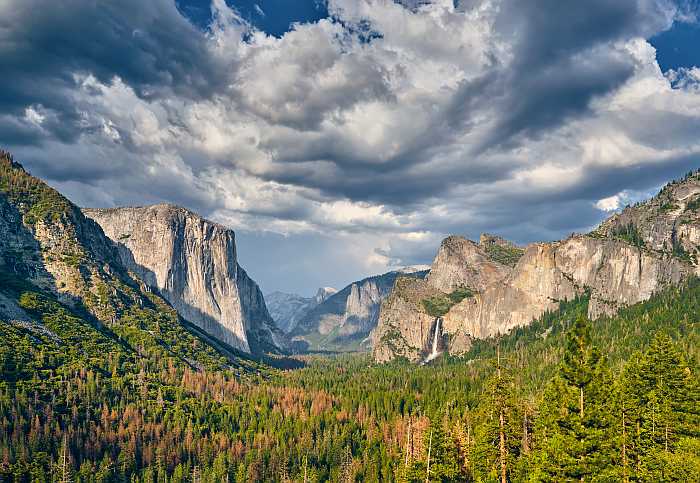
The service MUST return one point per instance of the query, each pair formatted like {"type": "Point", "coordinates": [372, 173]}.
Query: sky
{"type": "Point", "coordinates": [345, 138]}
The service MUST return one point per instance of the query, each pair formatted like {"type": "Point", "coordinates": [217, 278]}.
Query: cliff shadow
{"type": "Point", "coordinates": [23, 271]}
{"type": "Point", "coordinates": [207, 327]}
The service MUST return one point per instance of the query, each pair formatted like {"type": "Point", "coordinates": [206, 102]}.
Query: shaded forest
{"type": "Point", "coordinates": [565, 399]}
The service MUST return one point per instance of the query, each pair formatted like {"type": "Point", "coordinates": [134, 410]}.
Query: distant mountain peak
{"type": "Point", "coordinates": [323, 293]}
{"type": "Point", "coordinates": [412, 269]}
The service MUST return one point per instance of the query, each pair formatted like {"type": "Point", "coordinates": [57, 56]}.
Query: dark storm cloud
{"type": "Point", "coordinates": [563, 57]}
{"type": "Point", "coordinates": [565, 88]}
{"type": "Point", "coordinates": [447, 122]}
{"type": "Point", "coordinates": [553, 29]}
{"type": "Point", "coordinates": [601, 182]}
{"type": "Point", "coordinates": [148, 44]}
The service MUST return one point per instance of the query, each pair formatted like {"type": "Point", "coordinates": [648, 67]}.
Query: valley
{"type": "Point", "coordinates": [135, 347]}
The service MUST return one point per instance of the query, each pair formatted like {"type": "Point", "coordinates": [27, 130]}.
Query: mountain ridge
{"type": "Point", "coordinates": [286, 309]}
{"type": "Point", "coordinates": [345, 319]}
{"type": "Point", "coordinates": [62, 278]}
{"type": "Point", "coordinates": [629, 257]}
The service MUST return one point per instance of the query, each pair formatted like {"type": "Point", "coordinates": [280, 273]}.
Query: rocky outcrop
{"type": "Point", "coordinates": [344, 321]}
{"type": "Point", "coordinates": [463, 263]}
{"type": "Point", "coordinates": [288, 309]}
{"type": "Point", "coordinates": [404, 329]}
{"type": "Point", "coordinates": [617, 273]}
{"type": "Point", "coordinates": [48, 246]}
{"type": "Point", "coordinates": [63, 283]}
{"type": "Point", "coordinates": [669, 222]}
{"type": "Point", "coordinates": [628, 258]}
{"type": "Point", "coordinates": [535, 285]}
{"type": "Point", "coordinates": [193, 264]}
{"type": "Point", "coordinates": [405, 325]}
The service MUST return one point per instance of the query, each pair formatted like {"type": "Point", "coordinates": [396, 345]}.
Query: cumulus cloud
{"type": "Point", "coordinates": [611, 203]}
{"type": "Point", "coordinates": [373, 132]}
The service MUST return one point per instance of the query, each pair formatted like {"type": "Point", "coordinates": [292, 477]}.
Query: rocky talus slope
{"type": "Point", "coordinates": [629, 257]}
{"type": "Point", "coordinates": [193, 264]}
{"type": "Point", "coordinates": [345, 320]}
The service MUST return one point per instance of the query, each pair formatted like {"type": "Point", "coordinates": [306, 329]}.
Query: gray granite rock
{"type": "Point", "coordinates": [193, 263]}
{"type": "Point", "coordinates": [631, 256]}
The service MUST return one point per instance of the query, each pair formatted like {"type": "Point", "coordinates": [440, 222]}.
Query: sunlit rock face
{"type": "Point", "coordinates": [345, 320]}
{"type": "Point", "coordinates": [669, 222]}
{"type": "Point", "coordinates": [464, 263]}
{"type": "Point", "coordinates": [193, 263]}
{"type": "Point", "coordinates": [404, 327]}
{"type": "Point", "coordinates": [631, 256]}
{"type": "Point", "coordinates": [288, 309]}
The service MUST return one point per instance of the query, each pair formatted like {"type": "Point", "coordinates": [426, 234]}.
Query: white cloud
{"type": "Point", "coordinates": [33, 115]}
{"type": "Point", "coordinates": [383, 146]}
{"type": "Point", "coordinates": [611, 203]}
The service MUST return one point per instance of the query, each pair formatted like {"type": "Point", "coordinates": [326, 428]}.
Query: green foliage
{"type": "Point", "coordinates": [629, 233]}
{"type": "Point", "coordinates": [439, 305]}
{"type": "Point", "coordinates": [499, 439]}
{"type": "Point", "coordinates": [439, 461]}
{"type": "Point", "coordinates": [669, 206]}
{"type": "Point", "coordinates": [145, 399]}
{"type": "Point", "coordinates": [35, 199]}
{"type": "Point", "coordinates": [693, 205]}
{"type": "Point", "coordinates": [661, 413]}
{"type": "Point", "coordinates": [575, 425]}
{"type": "Point", "coordinates": [505, 255]}
{"type": "Point", "coordinates": [679, 251]}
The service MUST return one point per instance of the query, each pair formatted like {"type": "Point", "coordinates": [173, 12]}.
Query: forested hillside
{"type": "Point", "coordinates": [564, 399]}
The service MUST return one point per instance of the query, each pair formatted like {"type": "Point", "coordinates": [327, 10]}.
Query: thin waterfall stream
{"type": "Point", "coordinates": [436, 341]}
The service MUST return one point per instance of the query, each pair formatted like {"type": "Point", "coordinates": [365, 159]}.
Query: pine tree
{"type": "Point", "coordinates": [64, 465]}
{"type": "Point", "coordinates": [347, 475]}
{"type": "Point", "coordinates": [663, 402]}
{"type": "Point", "coordinates": [440, 462]}
{"type": "Point", "coordinates": [499, 437]}
{"type": "Point", "coordinates": [575, 426]}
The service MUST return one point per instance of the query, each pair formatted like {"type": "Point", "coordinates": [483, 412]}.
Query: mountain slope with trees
{"type": "Point", "coordinates": [101, 381]}
{"type": "Point", "coordinates": [629, 257]}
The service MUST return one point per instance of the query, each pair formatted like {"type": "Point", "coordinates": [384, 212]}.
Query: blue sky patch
{"type": "Point", "coordinates": [274, 17]}
{"type": "Point", "coordinates": [678, 47]}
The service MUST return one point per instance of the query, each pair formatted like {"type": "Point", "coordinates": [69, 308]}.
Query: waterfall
{"type": "Point", "coordinates": [436, 339]}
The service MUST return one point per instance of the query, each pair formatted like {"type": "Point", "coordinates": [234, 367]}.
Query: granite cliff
{"type": "Point", "coordinates": [193, 264]}
{"type": "Point", "coordinates": [288, 309]}
{"type": "Point", "coordinates": [629, 257]}
{"type": "Point", "coordinates": [63, 281]}
{"type": "Point", "coordinates": [345, 319]}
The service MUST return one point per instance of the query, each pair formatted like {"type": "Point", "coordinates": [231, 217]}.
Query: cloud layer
{"type": "Point", "coordinates": [368, 135]}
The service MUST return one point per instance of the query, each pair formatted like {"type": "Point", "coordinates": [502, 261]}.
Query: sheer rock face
{"type": "Point", "coordinates": [404, 327]}
{"type": "Point", "coordinates": [288, 309]}
{"type": "Point", "coordinates": [192, 262]}
{"type": "Point", "coordinates": [609, 263]}
{"type": "Point", "coordinates": [345, 320]}
{"type": "Point", "coordinates": [535, 285]}
{"type": "Point", "coordinates": [464, 263]}
{"type": "Point", "coordinates": [617, 273]}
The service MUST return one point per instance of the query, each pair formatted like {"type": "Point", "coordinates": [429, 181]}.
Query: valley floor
{"type": "Point", "coordinates": [613, 400]}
